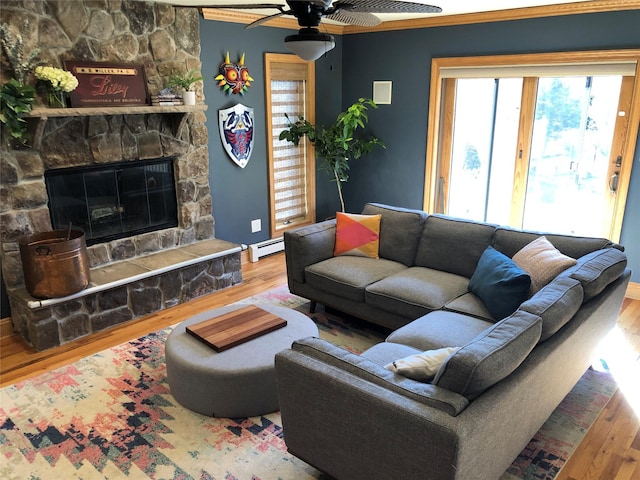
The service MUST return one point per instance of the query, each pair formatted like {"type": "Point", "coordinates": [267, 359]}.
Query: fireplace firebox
{"type": "Point", "coordinates": [114, 200]}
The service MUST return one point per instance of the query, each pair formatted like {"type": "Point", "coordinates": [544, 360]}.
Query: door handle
{"type": "Point", "coordinates": [613, 182]}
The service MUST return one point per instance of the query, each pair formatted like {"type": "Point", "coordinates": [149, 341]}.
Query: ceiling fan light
{"type": "Point", "coordinates": [309, 45]}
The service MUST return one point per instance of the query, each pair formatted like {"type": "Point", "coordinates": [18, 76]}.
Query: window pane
{"type": "Point", "coordinates": [567, 184]}
{"type": "Point", "coordinates": [503, 157]}
{"type": "Point", "coordinates": [471, 147]}
{"type": "Point", "coordinates": [484, 144]}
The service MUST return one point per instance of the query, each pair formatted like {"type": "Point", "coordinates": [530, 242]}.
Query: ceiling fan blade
{"type": "Point", "coordinates": [264, 20]}
{"type": "Point", "coordinates": [383, 6]}
{"type": "Point", "coordinates": [362, 19]}
{"type": "Point", "coordinates": [318, 3]}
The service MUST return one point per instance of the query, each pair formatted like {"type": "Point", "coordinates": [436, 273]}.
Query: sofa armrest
{"type": "Point", "coordinates": [308, 245]}
{"type": "Point", "coordinates": [326, 411]}
{"type": "Point", "coordinates": [424, 393]}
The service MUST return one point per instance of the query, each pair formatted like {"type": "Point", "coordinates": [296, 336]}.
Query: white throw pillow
{"type": "Point", "coordinates": [422, 366]}
{"type": "Point", "coordinates": [542, 261]}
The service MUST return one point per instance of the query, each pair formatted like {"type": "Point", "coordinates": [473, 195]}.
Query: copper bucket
{"type": "Point", "coordinates": [55, 263]}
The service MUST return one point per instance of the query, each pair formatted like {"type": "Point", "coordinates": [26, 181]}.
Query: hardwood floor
{"type": "Point", "coordinates": [610, 450]}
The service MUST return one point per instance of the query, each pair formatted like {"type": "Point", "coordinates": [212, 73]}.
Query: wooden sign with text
{"type": "Point", "coordinates": [107, 84]}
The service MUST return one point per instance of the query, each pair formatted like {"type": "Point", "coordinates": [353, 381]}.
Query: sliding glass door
{"type": "Point", "coordinates": [569, 188]}
{"type": "Point", "coordinates": [485, 132]}
{"type": "Point", "coordinates": [539, 147]}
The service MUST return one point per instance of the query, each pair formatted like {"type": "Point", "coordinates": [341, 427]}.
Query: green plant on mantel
{"type": "Point", "coordinates": [16, 100]}
{"type": "Point", "coordinates": [336, 144]}
{"type": "Point", "coordinates": [184, 80]}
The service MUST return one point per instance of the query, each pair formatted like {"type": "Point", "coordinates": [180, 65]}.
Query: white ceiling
{"type": "Point", "coordinates": [449, 7]}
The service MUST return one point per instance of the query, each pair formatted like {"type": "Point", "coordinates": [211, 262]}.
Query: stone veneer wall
{"type": "Point", "coordinates": [163, 38]}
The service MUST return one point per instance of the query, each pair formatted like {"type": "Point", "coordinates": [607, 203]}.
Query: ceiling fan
{"type": "Point", "coordinates": [309, 43]}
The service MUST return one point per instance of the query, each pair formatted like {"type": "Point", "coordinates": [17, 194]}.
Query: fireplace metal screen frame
{"type": "Point", "coordinates": [114, 200]}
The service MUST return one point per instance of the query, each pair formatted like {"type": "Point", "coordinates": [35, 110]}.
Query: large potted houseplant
{"type": "Point", "coordinates": [338, 143]}
{"type": "Point", "coordinates": [185, 81]}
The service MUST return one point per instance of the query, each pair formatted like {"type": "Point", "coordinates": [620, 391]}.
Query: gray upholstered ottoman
{"type": "Point", "coordinates": [239, 382]}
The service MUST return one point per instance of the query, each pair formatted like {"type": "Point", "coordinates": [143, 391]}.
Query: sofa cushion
{"type": "Point", "coordinates": [427, 394]}
{"type": "Point", "coordinates": [348, 276]}
{"type": "Point", "coordinates": [500, 283]}
{"type": "Point", "coordinates": [509, 241]}
{"type": "Point", "coordinates": [415, 291]}
{"type": "Point", "coordinates": [439, 329]}
{"type": "Point", "coordinates": [491, 356]}
{"type": "Point", "coordinates": [453, 245]}
{"type": "Point", "coordinates": [542, 261]}
{"type": "Point", "coordinates": [470, 304]}
{"type": "Point", "coordinates": [556, 303]}
{"type": "Point", "coordinates": [421, 366]}
{"type": "Point", "coordinates": [400, 230]}
{"type": "Point", "coordinates": [357, 235]}
{"type": "Point", "coordinates": [384, 352]}
{"type": "Point", "coordinates": [598, 269]}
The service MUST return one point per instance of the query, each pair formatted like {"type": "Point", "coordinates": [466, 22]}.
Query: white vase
{"type": "Point", "coordinates": [189, 98]}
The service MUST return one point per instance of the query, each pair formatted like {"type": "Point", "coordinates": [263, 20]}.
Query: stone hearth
{"type": "Point", "coordinates": [125, 290]}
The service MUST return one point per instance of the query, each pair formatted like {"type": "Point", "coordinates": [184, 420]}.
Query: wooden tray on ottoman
{"type": "Point", "coordinates": [236, 327]}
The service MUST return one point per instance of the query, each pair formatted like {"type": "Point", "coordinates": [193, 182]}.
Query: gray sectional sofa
{"type": "Point", "coordinates": [355, 417]}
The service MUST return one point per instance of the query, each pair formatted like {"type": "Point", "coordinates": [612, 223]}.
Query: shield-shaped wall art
{"type": "Point", "coordinates": [236, 132]}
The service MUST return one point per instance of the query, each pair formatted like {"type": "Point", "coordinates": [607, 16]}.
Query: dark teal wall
{"type": "Point", "coordinates": [396, 175]}
{"type": "Point", "coordinates": [241, 195]}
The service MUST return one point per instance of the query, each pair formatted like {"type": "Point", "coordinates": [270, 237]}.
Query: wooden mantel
{"type": "Point", "coordinates": [43, 114]}
{"type": "Point", "coordinates": [129, 110]}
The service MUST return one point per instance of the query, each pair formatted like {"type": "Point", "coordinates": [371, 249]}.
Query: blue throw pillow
{"type": "Point", "coordinates": [499, 283]}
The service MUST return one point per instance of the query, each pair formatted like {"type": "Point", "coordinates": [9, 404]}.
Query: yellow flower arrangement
{"type": "Point", "coordinates": [59, 82]}
{"type": "Point", "coordinates": [58, 78]}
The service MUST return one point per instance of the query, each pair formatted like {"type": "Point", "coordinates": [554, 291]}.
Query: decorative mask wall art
{"type": "Point", "coordinates": [234, 77]}
{"type": "Point", "coordinates": [236, 132]}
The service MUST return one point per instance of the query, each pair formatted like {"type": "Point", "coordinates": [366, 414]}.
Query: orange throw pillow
{"type": "Point", "coordinates": [357, 235]}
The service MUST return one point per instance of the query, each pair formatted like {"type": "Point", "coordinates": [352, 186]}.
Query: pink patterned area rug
{"type": "Point", "coordinates": [112, 416]}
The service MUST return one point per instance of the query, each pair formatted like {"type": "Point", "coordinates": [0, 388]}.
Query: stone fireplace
{"type": "Point", "coordinates": [151, 269]}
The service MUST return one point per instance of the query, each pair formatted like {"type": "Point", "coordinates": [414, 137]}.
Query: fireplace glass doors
{"type": "Point", "coordinates": [115, 200]}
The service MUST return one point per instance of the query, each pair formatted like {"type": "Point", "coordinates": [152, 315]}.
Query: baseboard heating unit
{"type": "Point", "coordinates": [262, 249]}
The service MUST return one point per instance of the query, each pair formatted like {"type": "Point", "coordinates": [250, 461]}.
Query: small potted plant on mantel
{"type": "Point", "coordinates": [185, 81]}
{"type": "Point", "coordinates": [337, 143]}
